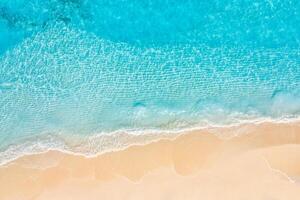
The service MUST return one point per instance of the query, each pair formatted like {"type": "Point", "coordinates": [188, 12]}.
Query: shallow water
{"type": "Point", "coordinates": [84, 67]}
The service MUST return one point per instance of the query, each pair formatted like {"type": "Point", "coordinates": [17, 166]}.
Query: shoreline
{"type": "Point", "coordinates": [105, 143]}
{"type": "Point", "coordinates": [265, 159]}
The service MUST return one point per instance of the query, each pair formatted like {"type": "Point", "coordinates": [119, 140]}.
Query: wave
{"type": "Point", "coordinates": [101, 143]}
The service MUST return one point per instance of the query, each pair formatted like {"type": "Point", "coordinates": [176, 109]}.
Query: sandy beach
{"type": "Point", "coordinates": [261, 162]}
{"type": "Point", "coordinates": [149, 100]}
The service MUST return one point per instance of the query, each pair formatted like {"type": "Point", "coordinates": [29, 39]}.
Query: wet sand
{"type": "Point", "coordinates": [260, 162]}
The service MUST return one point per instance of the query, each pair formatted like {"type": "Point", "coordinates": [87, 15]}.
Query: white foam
{"type": "Point", "coordinates": [104, 142]}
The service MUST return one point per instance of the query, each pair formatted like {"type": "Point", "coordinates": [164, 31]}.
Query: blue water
{"type": "Point", "coordinates": [83, 67]}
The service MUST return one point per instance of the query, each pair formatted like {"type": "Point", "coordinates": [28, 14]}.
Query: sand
{"type": "Point", "coordinates": [261, 162]}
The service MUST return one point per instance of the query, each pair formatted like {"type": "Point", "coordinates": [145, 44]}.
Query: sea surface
{"type": "Point", "coordinates": [84, 68]}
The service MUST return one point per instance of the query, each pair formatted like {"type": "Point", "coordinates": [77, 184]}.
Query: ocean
{"type": "Point", "coordinates": [86, 68]}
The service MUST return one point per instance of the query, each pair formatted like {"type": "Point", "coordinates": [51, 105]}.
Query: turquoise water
{"type": "Point", "coordinates": [86, 67]}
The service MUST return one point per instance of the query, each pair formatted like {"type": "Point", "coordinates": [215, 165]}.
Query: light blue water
{"type": "Point", "coordinates": [82, 67]}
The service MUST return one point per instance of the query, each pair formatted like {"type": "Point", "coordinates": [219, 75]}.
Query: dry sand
{"type": "Point", "coordinates": [263, 163]}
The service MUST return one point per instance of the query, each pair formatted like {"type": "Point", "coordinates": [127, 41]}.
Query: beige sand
{"type": "Point", "coordinates": [262, 163]}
